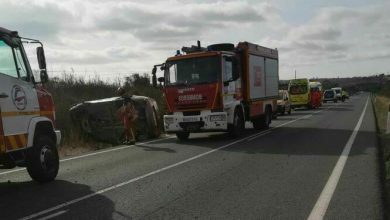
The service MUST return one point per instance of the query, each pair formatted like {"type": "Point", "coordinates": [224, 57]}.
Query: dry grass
{"type": "Point", "coordinates": [69, 90]}
{"type": "Point", "coordinates": [382, 107]}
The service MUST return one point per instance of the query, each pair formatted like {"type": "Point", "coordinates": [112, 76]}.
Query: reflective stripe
{"type": "Point", "coordinates": [23, 139]}
{"type": "Point", "coordinates": [2, 145]}
{"type": "Point", "coordinates": [13, 114]}
{"type": "Point", "coordinates": [15, 142]}
{"type": "Point", "coordinates": [46, 113]}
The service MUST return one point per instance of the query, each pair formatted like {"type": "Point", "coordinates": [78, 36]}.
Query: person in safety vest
{"type": "Point", "coordinates": [315, 99]}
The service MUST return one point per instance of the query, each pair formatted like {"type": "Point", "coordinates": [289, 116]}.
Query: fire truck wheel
{"type": "Point", "coordinates": [183, 135]}
{"type": "Point", "coordinates": [263, 121]}
{"type": "Point", "coordinates": [267, 118]}
{"type": "Point", "coordinates": [238, 125]}
{"type": "Point", "coordinates": [258, 123]}
{"type": "Point", "coordinates": [43, 160]}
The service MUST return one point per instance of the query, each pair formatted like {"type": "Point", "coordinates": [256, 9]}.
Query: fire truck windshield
{"type": "Point", "coordinates": [193, 71]}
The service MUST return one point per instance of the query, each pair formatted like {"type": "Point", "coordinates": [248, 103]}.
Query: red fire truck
{"type": "Point", "coordinates": [219, 88]}
{"type": "Point", "coordinates": [28, 137]}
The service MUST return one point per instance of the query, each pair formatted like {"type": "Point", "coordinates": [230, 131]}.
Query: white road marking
{"type": "Point", "coordinates": [53, 215]}
{"type": "Point", "coordinates": [95, 153]}
{"type": "Point", "coordinates": [143, 143]}
{"type": "Point", "coordinates": [115, 149]}
{"type": "Point", "coordinates": [65, 204]}
{"type": "Point", "coordinates": [125, 147]}
{"type": "Point", "coordinates": [323, 201]}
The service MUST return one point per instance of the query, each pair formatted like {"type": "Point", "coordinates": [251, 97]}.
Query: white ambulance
{"type": "Point", "coordinates": [27, 116]}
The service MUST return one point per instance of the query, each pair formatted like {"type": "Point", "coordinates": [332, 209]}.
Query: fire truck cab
{"type": "Point", "coordinates": [219, 88]}
{"type": "Point", "coordinates": [28, 137]}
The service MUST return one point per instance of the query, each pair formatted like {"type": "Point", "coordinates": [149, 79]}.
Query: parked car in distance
{"type": "Point", "coordinates": [284, 104]}
{"type": "Point", "coordinates": [340, 94]}
{"type": "Point", "coordinates": [330, 95]}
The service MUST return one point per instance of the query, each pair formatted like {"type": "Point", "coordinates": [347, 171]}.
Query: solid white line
{"type": "Point", "coordinates": [151, 173]}
{"type": "Point", "coordinates": [323, 201]}
{"type": "Point", "coordinates": [115, 149]}
{"type": "Point", "coordinates": [95, 153]}
{"type": "Point", "coordinates": [143, 143]}
{"type": "Point", "coordinates": [53, 215]}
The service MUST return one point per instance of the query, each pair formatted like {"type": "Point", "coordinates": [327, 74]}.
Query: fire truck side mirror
{"type": "Point", "coordinates": [161, 79]}
{"type": "Point", "coordinates": [44, 76]}
{"type": "Point", "coordinates": [41, 58]}
{"type": "Point", "coordinates": [154, 77]}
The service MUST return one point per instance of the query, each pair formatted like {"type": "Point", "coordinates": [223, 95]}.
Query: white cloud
{"type": "Point", "coordinates": [132, 36]}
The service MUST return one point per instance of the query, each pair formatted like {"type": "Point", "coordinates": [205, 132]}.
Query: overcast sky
{"type": "Point", "coordinates": [327, 38]}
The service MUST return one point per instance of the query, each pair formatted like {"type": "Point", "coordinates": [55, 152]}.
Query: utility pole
{"type": "Point", "coordinates": [295, 74]}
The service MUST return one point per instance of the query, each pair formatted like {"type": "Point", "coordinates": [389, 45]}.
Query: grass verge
{"type": "Point", "coordinates": [381, 105]}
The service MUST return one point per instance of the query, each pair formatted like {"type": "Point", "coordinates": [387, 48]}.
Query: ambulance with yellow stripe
{"type": "Point", "coordinates": [28, 137]}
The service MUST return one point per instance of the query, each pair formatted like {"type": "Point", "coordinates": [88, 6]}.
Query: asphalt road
{"type": "Point", "coordinates": [313, 163]}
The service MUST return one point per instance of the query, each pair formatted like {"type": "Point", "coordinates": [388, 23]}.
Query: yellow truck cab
{"type": "Point", "coordinates": [299, 91]}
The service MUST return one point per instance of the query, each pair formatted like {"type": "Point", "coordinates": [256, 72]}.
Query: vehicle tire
{"type": "Point", "coordinates": [7, 162]}
{"type": "Point", "coordinates": [324, 101]}
{"type": "Point", "coordinates": [284, 110]}
{"type": "Point", "coordinates": [335, 101]}
{"type": "Point", "coordinates": [264, 121]}
{"type": "Point", "coordinates": [258, 123]}
{"type": "Point", "coordinates": [42, 159]}
{"type": "Point", "coordinates": [343, 99]}
{"type": "Point", "coordinates": [183, 135]}
{"type": "Point", "coordinates": [152, 122]}
{"type": "Point", "coordinates": [267, 118]}
{"type": "Point", "coordinates": [238, 125]}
